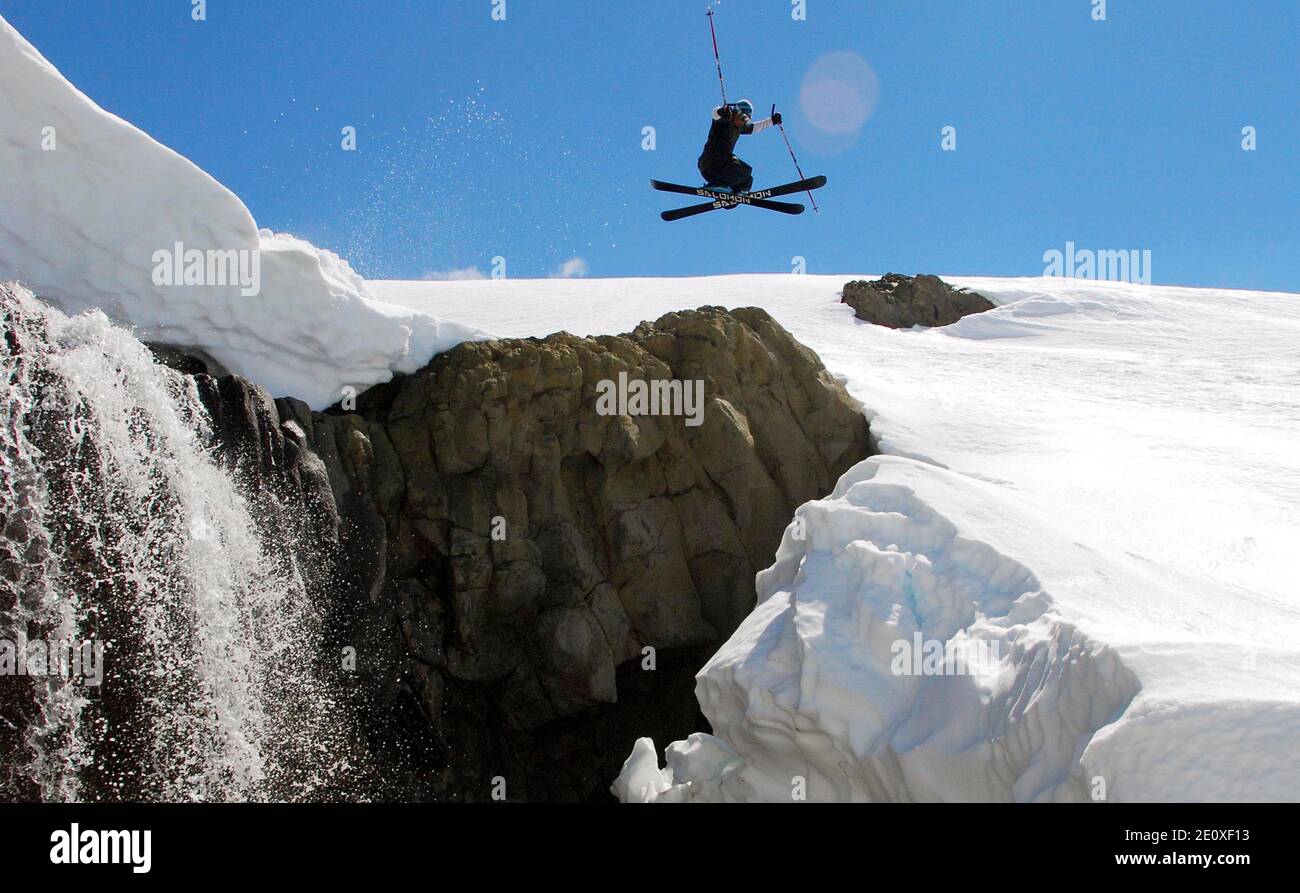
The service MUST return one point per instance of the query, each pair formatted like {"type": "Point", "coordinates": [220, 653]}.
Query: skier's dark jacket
{"type": "Point", "coordinates": [722, 138]}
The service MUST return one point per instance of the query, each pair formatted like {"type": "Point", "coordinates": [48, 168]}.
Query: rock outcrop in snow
{"type": "Point", "coordinates": [901, 302]}
{"type": "Point", "coordinates": [93, 212]}
{"type": "Point", "coordinates": [891, 658]}
{"type": "Point", "coordinates": [529, 547]}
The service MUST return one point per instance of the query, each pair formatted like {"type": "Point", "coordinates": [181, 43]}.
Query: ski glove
{"type": "Point", "coordinates": [776, 118]}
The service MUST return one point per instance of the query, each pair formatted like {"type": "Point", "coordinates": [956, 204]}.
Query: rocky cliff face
{"type": "Point", "coordinates": [901, 302]}
{"type": "Point", "coordinates": [529, 581]}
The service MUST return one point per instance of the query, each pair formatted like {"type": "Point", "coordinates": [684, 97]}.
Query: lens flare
{"type": "Point", "coordinates": [839, 93]}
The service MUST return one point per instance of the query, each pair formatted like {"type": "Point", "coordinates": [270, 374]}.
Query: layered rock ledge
{"type": "Point", "coordinates": [509, 562]}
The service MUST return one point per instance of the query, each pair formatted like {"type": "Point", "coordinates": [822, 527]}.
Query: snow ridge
{"type": "Point", "coordinates": [808, 698]}
{"type": "Point", "coordinates": [86, 201]}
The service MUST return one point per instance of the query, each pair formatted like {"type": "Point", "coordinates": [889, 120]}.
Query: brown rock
{"type": "Point", "coordinates": [901, 302]}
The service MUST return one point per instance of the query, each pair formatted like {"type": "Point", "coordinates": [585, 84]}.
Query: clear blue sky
{"type": "Point", "coordinates": [523, 138]}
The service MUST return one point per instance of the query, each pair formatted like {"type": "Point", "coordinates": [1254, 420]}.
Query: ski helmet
{"type": "Point", "coordinates": [745, 107]}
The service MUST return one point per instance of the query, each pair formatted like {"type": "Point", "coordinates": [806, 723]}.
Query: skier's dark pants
{"type": "Point", "coordinates": [734, 173]}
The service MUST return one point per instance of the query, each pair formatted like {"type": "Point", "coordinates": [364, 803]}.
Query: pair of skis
{"type": "Point", "coordinates": [720, 199]}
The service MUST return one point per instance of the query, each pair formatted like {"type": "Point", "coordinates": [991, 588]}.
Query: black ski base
{"type": "Point", "coordinates": [719, 204]}
{"type": "Point", "coordinates": [720, 199]}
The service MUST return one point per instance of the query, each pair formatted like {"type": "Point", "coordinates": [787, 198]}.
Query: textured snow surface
{"type": "Point", "coordinates": [79, 226]}
{"type": "Point", "coordinates": [809, 687]}
{"type": "Point", "coordinates": [1103, 477]}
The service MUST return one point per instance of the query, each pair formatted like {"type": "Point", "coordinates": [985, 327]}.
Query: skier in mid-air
{"type": "Point", "coordinates": [719, 166]}
{"type": "Point", "coordinates": [729, 182]}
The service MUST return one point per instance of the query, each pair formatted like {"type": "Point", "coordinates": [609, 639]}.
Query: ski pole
{"type": "Point", "coordinates": [717, 58]}
{"type": "Point", "coordinates": [796, 162]}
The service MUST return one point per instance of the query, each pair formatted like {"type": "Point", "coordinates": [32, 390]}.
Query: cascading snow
{"type": "Point", "coordinates": [122, 530]}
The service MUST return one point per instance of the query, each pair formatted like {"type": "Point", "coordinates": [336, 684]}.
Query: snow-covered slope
{"type": "Point", "coordinates": [1101, 476]}
{"type": "Point", "coordinates": [86, 200]}
{"type": "Point", "coordinates": [1100, 479]}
